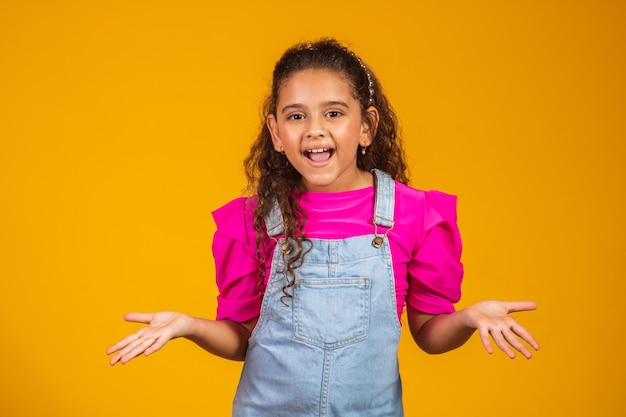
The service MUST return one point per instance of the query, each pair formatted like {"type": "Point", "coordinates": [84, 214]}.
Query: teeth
{"type": "Point", "coordinates": [318, 150]}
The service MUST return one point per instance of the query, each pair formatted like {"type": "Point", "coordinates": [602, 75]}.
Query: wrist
{"type": "Point", "coordinates": [191, 326]}
{"type": "Point", "coordinates": [467, 318]}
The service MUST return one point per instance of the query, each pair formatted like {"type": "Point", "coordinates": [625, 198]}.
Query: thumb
{"type": "Point", "coordinates": [139, 317]}
{"type": "Point", "coordinates": [521, 306]}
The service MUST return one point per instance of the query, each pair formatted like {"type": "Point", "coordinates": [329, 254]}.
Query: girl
{"type": "Point", "coordinates": [315, 269]}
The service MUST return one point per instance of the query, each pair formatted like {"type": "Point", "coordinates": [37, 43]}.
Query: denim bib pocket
{"type": "Point", "coordinates": [331, 312]}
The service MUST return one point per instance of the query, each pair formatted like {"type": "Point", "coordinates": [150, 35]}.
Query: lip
{"type": "Point", "coordinates": [318, 150]}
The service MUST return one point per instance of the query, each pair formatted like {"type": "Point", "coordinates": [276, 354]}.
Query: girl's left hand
{"type": "Point", "coordinates": [491, 318]}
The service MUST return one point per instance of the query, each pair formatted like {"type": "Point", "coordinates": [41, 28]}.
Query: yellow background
{"type": "Point", "coordinates": [124, 123]}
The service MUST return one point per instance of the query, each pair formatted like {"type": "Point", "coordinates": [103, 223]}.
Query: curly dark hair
{"type": "Point", "coordinates": [270, 175]}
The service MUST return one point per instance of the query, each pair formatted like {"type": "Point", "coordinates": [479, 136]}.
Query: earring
{"type": "Point", "coordinates": [284, 155]}
{"type": "Point", "coordinates": [363, 150]}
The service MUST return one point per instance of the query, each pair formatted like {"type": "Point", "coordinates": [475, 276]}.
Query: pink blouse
{"type": "Point", "coordinates": [425, 246]}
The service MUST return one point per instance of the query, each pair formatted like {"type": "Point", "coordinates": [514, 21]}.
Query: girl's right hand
{"type": "Point", "coordinates": [161, 328]}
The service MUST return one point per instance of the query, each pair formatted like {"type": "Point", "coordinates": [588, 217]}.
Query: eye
{"type": "Point", "coordinates": [295, 116]}
{"type": "Point", "coordinates": [333, 113]}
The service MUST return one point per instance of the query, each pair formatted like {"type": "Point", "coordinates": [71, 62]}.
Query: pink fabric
{"type": "Point", "coordinates": [425, 246]}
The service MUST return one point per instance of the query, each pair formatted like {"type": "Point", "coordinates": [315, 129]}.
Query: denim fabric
{"type": "Point", "coordinates": [331, 348]}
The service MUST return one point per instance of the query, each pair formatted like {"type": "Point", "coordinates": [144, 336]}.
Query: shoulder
{"type": "Point", "coordinates": [236, 217]}
{"type": "Point", "coordinates": [406, 193]}
{"type": "Point", "coordinates": [419, 212]}
{"type": "Point", "coordinates": [413, 202]}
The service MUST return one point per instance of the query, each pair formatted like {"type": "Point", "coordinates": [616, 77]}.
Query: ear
{"type": "Point", "coordinates": [272, 126]}
{"type": "Point", "coordinates": [369, 125]}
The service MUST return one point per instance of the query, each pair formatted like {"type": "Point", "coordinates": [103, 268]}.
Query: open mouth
{"type": "Point", "coordinates": [319, 155]}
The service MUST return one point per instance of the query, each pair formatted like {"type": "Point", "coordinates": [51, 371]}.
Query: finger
{"type": "Point", "coordinates": [517, 344]}
{"type": "Point", "coordinates": [485, 340]}
{"type": "Point", "coordinates": [127, 344]}
{"type": "Point", "coordinates": [127, 340]}
{"type": "Point", "coordinates": [115, 359]}
{"type": "Point", "coordinates": [121, 344]}
{"type": "Point", "coordinates": [521, 331]}
{"type": "Point", "coordinates": [139, 317]}
{"type": "Point", "coordinates": [157, 345]}
{"type": "Point", "coordinates": [502, 343]}
{"type": "Point", "coordinates": [515, 306]}
{"type": "Point", "coordinates": [120, 353]}
{"type": "Point", "coordinates": [136, 350]}
{"type": "Point", "coordinates": [123, 348]}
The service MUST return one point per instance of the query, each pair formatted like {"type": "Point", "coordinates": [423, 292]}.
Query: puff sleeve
{"type": "Point", "coordinates": [435, 271]}
{"type": "Point", "coordinates": [236, 266]}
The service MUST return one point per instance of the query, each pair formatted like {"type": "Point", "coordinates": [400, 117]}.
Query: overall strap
{"type": "Point", "coordinates": [274, 222]}
{"type": "Point", "coordinates": [385, 199]}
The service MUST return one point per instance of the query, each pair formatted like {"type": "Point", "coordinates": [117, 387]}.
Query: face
{"type": "Point", "coordinates": [319, 126]}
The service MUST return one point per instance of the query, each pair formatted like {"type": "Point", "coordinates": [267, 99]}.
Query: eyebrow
{"type": "Point", "coordinates": [298, 106]}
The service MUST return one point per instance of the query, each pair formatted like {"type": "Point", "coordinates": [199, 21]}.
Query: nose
{"type": "Point", "coordinates": [315, 129]}
{"type": "Point", "coordinates": [314, 134]}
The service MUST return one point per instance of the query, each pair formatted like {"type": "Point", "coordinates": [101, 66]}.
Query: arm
{"type": "Point", "coordinates": [224, 338]}
{"type": "Point", "coordinates": [442, 333]}
{"type": "Point", "coordinates": [237, 268]}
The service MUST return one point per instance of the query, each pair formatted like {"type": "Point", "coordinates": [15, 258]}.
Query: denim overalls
{"type": "Point", "coordinates": [331, 349]}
